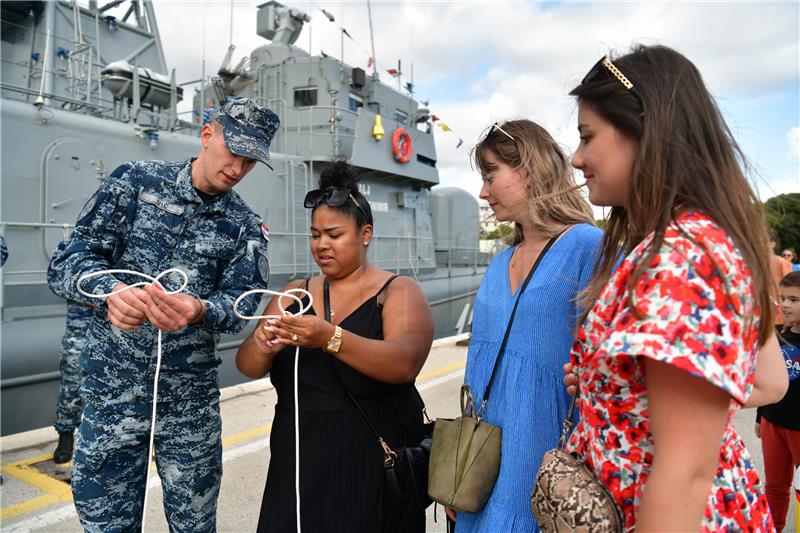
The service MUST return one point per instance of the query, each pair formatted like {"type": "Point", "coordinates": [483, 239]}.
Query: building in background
{"type": "Point", "coordinates": [492, 232]}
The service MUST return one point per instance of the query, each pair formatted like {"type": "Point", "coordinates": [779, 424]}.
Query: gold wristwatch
{"type": "Point", "coordinates": [335, 342]}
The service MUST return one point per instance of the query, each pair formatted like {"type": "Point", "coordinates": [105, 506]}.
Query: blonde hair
{"type": "Point", "coordinates": [555, 201]}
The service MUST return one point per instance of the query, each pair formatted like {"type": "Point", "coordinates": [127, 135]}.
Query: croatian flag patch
{"type": "Point", "coordinates": [265, 232]}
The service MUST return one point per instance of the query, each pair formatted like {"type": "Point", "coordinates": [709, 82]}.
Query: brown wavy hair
{"type": "Point", "coordinates": [554, 199]}
{"type": "Point", "coordinates": [687, 157]}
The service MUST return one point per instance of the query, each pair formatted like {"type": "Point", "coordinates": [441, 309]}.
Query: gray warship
{"type": "Point", "coordinates": [83, 91]}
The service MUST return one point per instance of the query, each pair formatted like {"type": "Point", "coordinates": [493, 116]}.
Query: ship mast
{"type": "Point", "coordinates": [372, 40]}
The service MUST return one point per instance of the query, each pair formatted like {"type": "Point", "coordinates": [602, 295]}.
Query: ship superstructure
{"type": "Point", "coordinates": [83, 91]}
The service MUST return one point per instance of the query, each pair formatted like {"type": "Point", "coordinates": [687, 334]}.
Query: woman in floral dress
{"type": "Point", "coordinates": [680, 305]}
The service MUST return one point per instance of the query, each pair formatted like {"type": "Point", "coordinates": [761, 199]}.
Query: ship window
{"type": "Point", "coordinates": [355, 102]}
{"type": "Point", "coordinates": [401, 117]}
{"type": "Point", "coordinates": [305, 96]}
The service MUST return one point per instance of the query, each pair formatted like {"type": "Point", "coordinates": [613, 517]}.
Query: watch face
{"type": "Point", "coordinates": [334, 345]}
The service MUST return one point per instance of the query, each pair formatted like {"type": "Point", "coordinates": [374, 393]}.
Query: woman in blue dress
{"type": "Point", "coordinates": [528, 181]}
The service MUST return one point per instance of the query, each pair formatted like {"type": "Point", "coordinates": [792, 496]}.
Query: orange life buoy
{"type": "Point", "coordinates": [401, 145]}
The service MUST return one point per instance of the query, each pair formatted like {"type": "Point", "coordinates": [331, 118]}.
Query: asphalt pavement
{"type": "Point", "coordinates": [34, 497]}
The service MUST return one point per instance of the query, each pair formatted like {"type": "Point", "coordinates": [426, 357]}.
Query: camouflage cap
{"type": "Point", "coordinates": [248, 128]}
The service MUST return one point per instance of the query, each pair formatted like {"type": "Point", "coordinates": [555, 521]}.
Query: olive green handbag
{"type": "Point", "coordinates": [465, 459]}
{"type": "Point", "coordinates": [465, 455]}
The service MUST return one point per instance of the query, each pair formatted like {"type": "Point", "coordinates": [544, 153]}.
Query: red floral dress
{"type": "Point", "coordinates": [694, 300]}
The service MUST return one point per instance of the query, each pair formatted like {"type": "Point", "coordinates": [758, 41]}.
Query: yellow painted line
{"type": "Point", "coordinates": [58, 491]}
{"type": "Point", "coordinates": [26, 507]}
{"type": "Point", "coordinates": [55, 491]}
{"type": "Point", "coordinates": [31, 460]}
{"type": "Point", "coordinates": [246, 435]}
{"type": "Point", "coordinates": [431, 374]}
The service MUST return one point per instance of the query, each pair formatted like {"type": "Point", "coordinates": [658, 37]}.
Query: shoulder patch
{"type": "Point", "coordinates": [263, 268]}
{"type": "Point", "coordinates": [265, 232]}
{"type": "Point", "coordinates": [88, 207]}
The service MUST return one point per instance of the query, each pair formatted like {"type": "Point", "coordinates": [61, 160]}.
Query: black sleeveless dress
{"type": "Point", "coordinates": [341, 462]}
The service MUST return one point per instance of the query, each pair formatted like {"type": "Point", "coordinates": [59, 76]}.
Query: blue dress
{"type": "Point", "coordinates": [528, 400]}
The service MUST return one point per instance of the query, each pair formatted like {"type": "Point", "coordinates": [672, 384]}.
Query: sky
{"type": "Point", "coordinates": [479, 62]}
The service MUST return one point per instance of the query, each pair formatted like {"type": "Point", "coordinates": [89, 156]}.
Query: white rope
{"type": "Point", "coordinates": [288, 294]}
{"type": "Point", "coordinates": [151, 281]}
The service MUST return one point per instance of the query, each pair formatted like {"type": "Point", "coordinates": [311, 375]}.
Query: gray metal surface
{"type": "Point", "coordinates": [63, 131]}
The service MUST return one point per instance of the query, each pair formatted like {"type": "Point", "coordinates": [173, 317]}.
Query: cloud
{"type": "Point", "coordinates": [494, 61]}
{"type": "Point", "coordinates": [793, 139]}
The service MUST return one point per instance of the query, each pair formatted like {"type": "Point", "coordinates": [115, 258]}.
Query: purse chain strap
{"type": "Point", "coordinates": [389, 455]}
{"type": "Point", "coordinates": [567, 424]}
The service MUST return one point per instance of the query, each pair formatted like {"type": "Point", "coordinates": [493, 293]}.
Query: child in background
{"type": "Point", "coordinates": [778, 424]}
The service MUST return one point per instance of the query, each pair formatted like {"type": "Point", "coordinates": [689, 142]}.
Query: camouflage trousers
{"type": "Point", "coordinates": [108, 472]}
{"type": "Point", "coordinates": [70, 406]}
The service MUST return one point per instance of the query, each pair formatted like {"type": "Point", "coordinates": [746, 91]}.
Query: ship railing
{"type": "Point", "coordinates": [463, 251]}
{"type": "Point", "coordinates": [455, 256]}
{"type": "Point", "coordinates": [338, 126]}
{"type": "Point", "coordinates": [278, 106]}
{"type": "Point", "coordinates": [103, 106]}
{"type": "Point", "coordinates": [339, 119]}
{"type": "Point", "coordinates": [397, 263]}
{"type": "Point", "coordinates": [4, 272]}
{"type": "Point", "coordinates": [107, 109]}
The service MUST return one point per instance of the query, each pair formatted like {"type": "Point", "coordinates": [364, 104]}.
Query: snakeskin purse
{"type": "Point", "coordinates": [567, 497]}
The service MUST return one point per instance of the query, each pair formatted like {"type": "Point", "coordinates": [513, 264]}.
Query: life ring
{"type": "Point", "coordinates": [401, 145]}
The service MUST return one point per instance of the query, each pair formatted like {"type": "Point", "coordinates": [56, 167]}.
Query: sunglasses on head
{"type": "Point", "coordinates": [603, 70]}
{"type": "Point", "coordinates": [332, 196]}
{"type": "Point", "coordinates": [497, 127]}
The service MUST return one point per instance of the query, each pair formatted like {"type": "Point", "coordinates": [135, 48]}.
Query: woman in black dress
{"type": "Point", "coordinates": [374, 346]}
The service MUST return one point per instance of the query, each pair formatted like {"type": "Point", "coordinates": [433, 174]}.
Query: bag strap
{"type": "Point", "coordinates": [482, 408]}
{"type": "Point", "coordinates": [389, 455]}
{"type": "Point", "coordinates": [567, 424]}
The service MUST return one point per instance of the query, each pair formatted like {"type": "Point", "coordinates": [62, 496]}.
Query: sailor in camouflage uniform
{"type": "Point", "coordinates": [3, 250]}
{"type": "Point", "coordinates": [149, 216]}
{"type": "Point", "coordinates": [69, 406]}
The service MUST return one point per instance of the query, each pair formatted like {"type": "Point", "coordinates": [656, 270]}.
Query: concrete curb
{"type": "Point", "coordinates": [37, 437]}
{"type": "Point", "coordinates": [449, 341]}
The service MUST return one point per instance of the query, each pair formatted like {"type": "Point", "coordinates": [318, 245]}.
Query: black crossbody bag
{"type": "Point", "coordinates": [405, 468]}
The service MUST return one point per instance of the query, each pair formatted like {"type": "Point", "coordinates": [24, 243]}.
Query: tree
{"type": "Point", "coordinates": [783, 216]}
{"type": "Point", "coordinates": [501, 232]}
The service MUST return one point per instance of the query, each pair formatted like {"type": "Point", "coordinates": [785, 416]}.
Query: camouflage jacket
{"type": "Point", "coordinates": [148, 217]}
{"type": "Point", "coordinates": [77, 312]}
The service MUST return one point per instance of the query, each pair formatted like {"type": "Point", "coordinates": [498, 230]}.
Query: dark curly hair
{"type": "Point", "coordinates": [341, 175]}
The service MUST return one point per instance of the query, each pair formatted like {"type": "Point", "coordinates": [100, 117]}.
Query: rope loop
{"type": "Point", "coordinates": [150, 281]}
{"type": "Point", "coordinates": [290, 293]}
